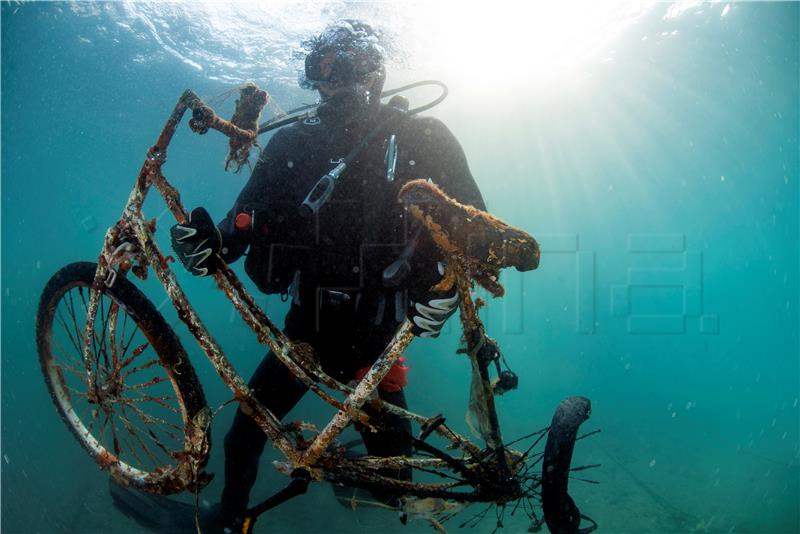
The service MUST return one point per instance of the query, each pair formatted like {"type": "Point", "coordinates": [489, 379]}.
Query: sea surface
{"type": "Point", "coordinates": [651, 148]}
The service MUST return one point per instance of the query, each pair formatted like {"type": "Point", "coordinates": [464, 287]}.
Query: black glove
{"type": "Point", "coordinates": [197, 243]}
{"type": "Point", "coordinates": [429, 309]}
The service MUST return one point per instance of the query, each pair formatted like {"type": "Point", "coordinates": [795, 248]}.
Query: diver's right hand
{"type": "Point", "coordinates": [197, 242]}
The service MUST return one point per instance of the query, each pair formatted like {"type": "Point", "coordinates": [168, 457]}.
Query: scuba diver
{"type": "Point", "coordinates": [350, 258]}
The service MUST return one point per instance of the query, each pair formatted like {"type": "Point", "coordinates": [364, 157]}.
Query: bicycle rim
{"type": "Point", "coordinates": [143, 417]}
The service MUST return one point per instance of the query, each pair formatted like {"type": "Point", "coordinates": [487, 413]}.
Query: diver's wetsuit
{"type": "Point", "coordinates": [333, 261]}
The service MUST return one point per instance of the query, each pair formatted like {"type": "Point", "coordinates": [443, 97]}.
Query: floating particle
{"type": "Point", "coordinates": [726, 10]}
{"type": "Point", "coordinates": [88, 223]}
{"type": "Point", "coordinates": [290, 164]}
{"type": "Point", "coordinates": [722, 178]}
{"type": "Point", "coordinates": [652, 463]}
{"type": "Point", "coordinates": [5, 457]}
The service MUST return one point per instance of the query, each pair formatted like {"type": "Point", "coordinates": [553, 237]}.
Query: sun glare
{"type": "Point", "coordinates": [521, 42]}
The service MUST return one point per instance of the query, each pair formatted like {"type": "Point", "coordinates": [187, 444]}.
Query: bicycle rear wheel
{"type": "Point", "coordinates": [144, 417]}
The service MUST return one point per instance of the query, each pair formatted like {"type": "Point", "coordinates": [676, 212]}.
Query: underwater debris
{"type": "Point", "coordinates": [241, 138]}
{"type": "Point", "coordinates": [246, 116]}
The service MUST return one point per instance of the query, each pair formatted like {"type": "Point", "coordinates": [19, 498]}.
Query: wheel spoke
{"type": "Point", "coordinates": [102, 341]}
{"type": "Point", "coordinates": [67, 330]}
{"type": "Point", "coordinates": [151, 419]}
{"type": "Point", "coordinates": [161, 401]}
{"type": "Point", "coordinates": [133, 432]}
{"type": "Point", "coordinates": [152, 382]}
{"type": "Point", "coordinates": [92, 420]}
{"type": "Point", "coordinates": [103, 427]}
{"type": "Point", "coordinates": [136, 352]}
{"type": "Point", "coordinates": [78, 371]}
{"type": "Point", "coordinates": [115, 441]}
{"type": "Point", "coordinates": [148, 421]}
{"type": "Point", "coordinates": [146, 417]}
{"type": "Point", "coordinates": [76, 392]}
{"type": "Point", "coordinates": [78, 331]}
{"type": "Point", "coordinates": [159, 444]}
{"type": "Point", "coordinates": [124, 324]}
{"type": "Point", "coordinates": [130, 340]}
{"type": "Point", "coordinates": [142, 367]}
{"type": "Point", "coordinates": [98, 343]}
{"type": "Point", "coordinates": [81, 376]}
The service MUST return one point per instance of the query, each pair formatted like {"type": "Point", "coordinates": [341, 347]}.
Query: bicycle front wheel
{"type": "Point", "coordinates": [136, 406]}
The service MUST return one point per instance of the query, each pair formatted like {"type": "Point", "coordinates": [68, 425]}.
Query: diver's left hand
{"type": "Point", "coordinates": [428, 308]}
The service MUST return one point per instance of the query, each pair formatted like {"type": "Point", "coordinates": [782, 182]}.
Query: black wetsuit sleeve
{"type": "Point", "coordinates": [256, 198]}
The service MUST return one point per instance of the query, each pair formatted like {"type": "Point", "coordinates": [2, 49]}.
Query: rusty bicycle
{"type": "Point", "coordinates": [126, 388]}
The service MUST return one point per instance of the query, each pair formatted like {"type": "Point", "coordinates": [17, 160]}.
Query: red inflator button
{"type": "Point", "coordinates": [395, 380]}
{"type": "Point", "coordinates": [243, 221]}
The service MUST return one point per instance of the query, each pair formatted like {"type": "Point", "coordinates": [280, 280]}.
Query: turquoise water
{"type": "Point", "coordinates": [656, 162]}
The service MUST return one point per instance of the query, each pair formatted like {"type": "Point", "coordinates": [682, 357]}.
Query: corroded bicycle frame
{"type": "Point", "coordinates": [323, 462]}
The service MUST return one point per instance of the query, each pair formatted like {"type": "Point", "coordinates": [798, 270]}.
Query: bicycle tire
{"type": "Point", "coordinates": [560, 511]}
{"type": "Point", "coordinates": [174, 462]}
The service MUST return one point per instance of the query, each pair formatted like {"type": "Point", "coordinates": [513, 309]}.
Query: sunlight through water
{"type": "Point", "coordinates": [483, 45]}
